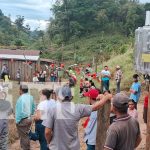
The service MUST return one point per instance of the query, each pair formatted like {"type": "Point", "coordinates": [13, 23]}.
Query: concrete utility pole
{"type": "Point", "coordinates": [103, 121]}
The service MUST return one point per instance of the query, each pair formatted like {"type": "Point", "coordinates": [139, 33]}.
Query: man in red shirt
{"type": "Point", "coordinates": [145, 107]}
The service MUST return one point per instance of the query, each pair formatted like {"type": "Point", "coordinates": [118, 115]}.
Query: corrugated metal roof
{"type": "Point", "coordinates": [19, 57]}
{"type": "Point", "coordinates": [20, 52]}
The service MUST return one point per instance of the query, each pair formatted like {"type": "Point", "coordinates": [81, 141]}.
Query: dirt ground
{"type": "Point", "coordinates": [35, 145]}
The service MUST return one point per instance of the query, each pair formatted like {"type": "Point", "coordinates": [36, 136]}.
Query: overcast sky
{"type": "Point", "coordinates": [36, 12]}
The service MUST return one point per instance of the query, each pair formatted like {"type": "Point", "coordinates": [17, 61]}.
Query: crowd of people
{"type": "Point", "coordinates": [56, 117]}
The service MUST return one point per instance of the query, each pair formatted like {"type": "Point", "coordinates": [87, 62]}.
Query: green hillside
{"type": "Point", "coordinates": [99, 45]}
{"type": "Point", "coordinates": [126, 62]}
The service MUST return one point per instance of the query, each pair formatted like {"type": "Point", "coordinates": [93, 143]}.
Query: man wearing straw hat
{"type": "Point", "coordinates": [118, 77]}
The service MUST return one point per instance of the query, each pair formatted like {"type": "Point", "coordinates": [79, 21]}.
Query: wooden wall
{"type": "Point", "coordinates": [27, 71]}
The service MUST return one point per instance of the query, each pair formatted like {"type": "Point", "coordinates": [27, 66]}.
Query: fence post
{"type": "Point", "coordinates": [103, 121]}
{"type": "Point", "coordinates": [148, 124]}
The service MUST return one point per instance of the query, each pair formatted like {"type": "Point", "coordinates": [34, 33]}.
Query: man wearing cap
{"type": "Point", "coordinates": [135, 90]}
{"type": "Point", "coordinates": [124, 132]}
{"type": "Point", "coordinates": [25, 107]}
{"type": "Point", "coordinates": [62, 124]}
{"type": "Point", "coordinates": [118, 77]}
{"type": "Point", "coordinates": [91, 128]}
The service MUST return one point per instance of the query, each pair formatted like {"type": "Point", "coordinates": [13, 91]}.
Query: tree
{"type": "Point", "coordinates": [19, 22]}
{"type": "Point", "coordinates": [147, 7]}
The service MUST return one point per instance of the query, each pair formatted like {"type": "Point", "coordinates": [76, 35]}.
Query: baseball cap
{"type": "Point", "coordinates": [120, 100]}
{"type": "Point", "coordinates": [93, 93]}
{"type": "Point", "coordinates": [66, 92]}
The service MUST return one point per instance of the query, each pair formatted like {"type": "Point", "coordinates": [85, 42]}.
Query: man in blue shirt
{"type": "Point", "coordinates": [135, 90]}
{"type": "Point", "coordinates": [105, 77]}
{"type": "Point", "coordinates": [24, 109]}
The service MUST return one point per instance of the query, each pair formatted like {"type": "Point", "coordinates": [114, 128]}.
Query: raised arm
{"type": "Point", "coordinates": [101, 103]}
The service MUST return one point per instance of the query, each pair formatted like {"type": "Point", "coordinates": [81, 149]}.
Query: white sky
{"type": "Point", "coordinates": [35, 12]}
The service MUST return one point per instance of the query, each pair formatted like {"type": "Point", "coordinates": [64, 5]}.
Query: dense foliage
{"type": "Point", "coordinates": [76, 18]}
{"type": "Point", "coordinates": [15, 34]}
{"type": "Point", "coordinates": [80, 30]}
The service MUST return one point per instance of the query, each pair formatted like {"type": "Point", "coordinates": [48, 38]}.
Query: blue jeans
{"type": "Point", "coordinates": [90, 147]}
{"type": "Point", "coordinates": [105, 85]}
{"type": "Point", "coordinates": [40, 130]}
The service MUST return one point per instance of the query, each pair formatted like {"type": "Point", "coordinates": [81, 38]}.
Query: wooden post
{"type": "Point", "coordinates": [103, 121]}
{"type": "Point", "coordinates": [148, 124]}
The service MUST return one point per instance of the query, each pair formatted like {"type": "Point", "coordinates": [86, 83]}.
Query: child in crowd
{"type": "Point", "coordinates": [131, 110]}
{"type": "Point", "coordinates": [145, 107]}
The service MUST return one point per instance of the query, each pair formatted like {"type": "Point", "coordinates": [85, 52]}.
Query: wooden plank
{"type": "Point", "coordinates": [103, 121]}
{"type": "Point", "coordinates": [148, 125]}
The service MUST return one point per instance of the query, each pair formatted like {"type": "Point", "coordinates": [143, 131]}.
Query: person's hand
{"type": "Point", "coordinates": [99, 97]}
{"type": "Point", "coordinates": [108, 96]}
{"type": "Point", "coordinates": [132, 91]}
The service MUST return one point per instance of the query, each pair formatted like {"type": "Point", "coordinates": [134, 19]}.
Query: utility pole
{"type": "Point", "coordinates": [103, 121]}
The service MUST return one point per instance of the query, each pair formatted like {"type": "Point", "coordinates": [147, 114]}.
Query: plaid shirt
{"type": "Point", "coordinates": [118, 75]}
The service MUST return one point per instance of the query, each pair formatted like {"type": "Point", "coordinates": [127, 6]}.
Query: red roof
{"type": "Point", "coordinates": [20, 52]}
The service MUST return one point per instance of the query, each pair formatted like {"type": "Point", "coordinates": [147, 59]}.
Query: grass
{"type": "Point", "coordinates": [82, 50]}
{"type": "Point", "coordinates": [125, 61]}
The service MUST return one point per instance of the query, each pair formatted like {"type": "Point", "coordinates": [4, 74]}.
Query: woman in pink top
{"type": "Point", "coordinates": [131, 110]}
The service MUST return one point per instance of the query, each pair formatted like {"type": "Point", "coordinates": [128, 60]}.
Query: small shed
{"type": "Point", "coordinates": [27, 60]}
